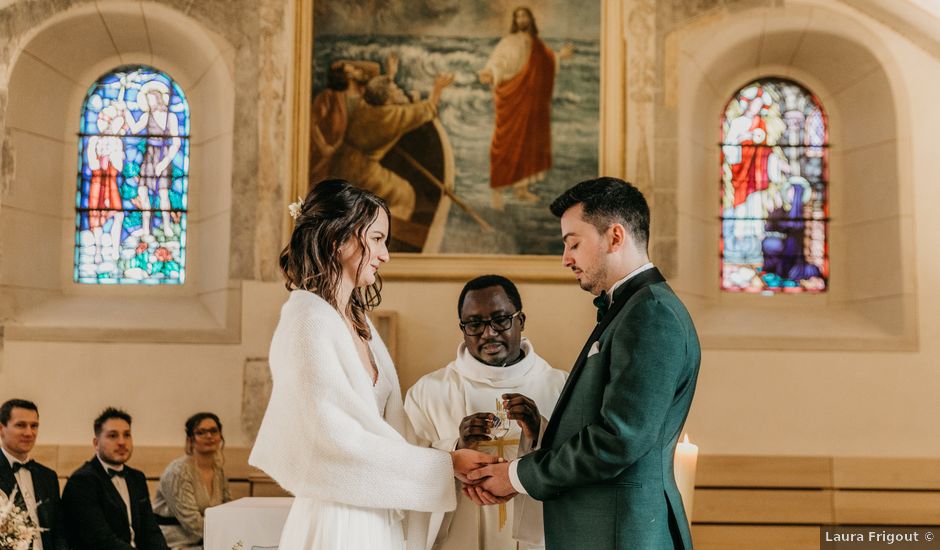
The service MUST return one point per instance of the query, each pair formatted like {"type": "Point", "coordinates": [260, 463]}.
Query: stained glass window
{"type": "Point", "coordinates": [774, 197]}
{"type": "Point", "coordinates": [133, 168]}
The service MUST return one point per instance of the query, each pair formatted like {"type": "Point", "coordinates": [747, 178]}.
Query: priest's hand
{"type": "Point", "coordinates": [493, 479]}
{"type": "Point", "coordinates": [474, 429]}
{"type": "Point", "coordinates": [468, 460]}
{"type": "Point", "coordinates": [525, 412]}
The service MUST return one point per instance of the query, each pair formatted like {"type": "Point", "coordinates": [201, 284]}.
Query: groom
{"type": "Point", "coordinates": [604, 467]}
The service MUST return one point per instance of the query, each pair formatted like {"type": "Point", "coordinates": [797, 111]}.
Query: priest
{"type": "Point", "coordinates": [494, 397]}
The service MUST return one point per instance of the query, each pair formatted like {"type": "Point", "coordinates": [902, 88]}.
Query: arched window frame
{"type": "Point", "coordinates": [133, 175]}
{"type": "Point", "coordinates": [774, 151]}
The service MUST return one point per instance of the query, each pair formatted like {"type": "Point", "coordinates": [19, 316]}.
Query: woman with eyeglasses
{"type": "Point", "coordinates": [192, 483]}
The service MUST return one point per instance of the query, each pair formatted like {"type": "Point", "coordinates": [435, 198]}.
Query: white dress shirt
{"type": "Point", "coordinates": [121, 485]}
{"type": "Point", "coordinates": [514, 465]}
{"type": "Point", "coordinates": [24, 480]}
{"type": "Point", "coordinates": [645, 267]}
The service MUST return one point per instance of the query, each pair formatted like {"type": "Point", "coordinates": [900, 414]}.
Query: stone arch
{"type": "Point", "coordinates": [51, 66]}
{"type": "Point", "coordinates": [868, 307]}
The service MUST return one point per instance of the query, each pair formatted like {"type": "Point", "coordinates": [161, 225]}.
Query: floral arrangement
{"type": "Point", "coordinates": [17, 529]}
{"type": "Point", "coordinates": [295, 208]}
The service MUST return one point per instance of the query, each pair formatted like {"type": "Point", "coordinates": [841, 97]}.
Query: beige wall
{"type": "Point", "coordinates": [773, 402]}
{"type": "Point", "coordinates": [767, 400]}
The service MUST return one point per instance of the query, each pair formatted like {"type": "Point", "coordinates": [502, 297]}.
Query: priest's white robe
{"type": "Point", "coordinates": [440, 400]}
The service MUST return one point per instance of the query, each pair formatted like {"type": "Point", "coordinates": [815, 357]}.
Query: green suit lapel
{"type": "Point", "coordinates": [621, 296]}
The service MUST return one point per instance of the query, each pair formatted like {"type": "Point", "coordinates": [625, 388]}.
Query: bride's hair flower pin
{"type": "Point", "coordinates": [295, 207]}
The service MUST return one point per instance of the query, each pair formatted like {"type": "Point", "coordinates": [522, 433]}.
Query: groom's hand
{"type": "Point", "coordinates": [493, 479]}
{"type": "Point", "coordinates": [525, 412]}
{"type": "Point", "coordinates": [482, 497]}
{"type": "Point", "coordinates": [468, 460]}
{"type": "Point", "coordinates": [474, 429]}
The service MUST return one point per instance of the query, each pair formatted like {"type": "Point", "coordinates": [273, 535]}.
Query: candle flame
{"type": "Point", "coordinates": [686, 438]}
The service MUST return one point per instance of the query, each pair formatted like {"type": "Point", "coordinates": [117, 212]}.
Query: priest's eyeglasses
{"type": "Point", "coordinates": [498, 324]}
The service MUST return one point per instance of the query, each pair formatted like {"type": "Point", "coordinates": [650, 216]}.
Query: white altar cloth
{"type": "Point", "coordinates": [251, 523]}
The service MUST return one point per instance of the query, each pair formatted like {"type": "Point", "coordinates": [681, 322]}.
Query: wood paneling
{"type": "Point", "coordinates": [239, 489]}
{"type": "Point", "coordinates": [741, 502]}
{"type": "Point", "coordinates": [236, 463]}
{"type": "Point", "coordinates": [65, 459]}
{"type": "Point", "coordinates": [887, 508]}
{"type": "Point", "coordinates": [886, 473]}
{"type": "Point", "coordinates": [267, 489]}
{"type": "Point", "coordinates": [763, 471]}
{"type": "Point", "coordinates": [47, 455]}
{"type": "Point", "coordinates": [751, 537]}
{"type": "Point", "coordinates": [71, 457]}
{"type": "Point", "coordinates": [762, 506]}
{"type": "Point", "coordinates": [153, 460]}
{"type": "Point", "coordinates": [779, 502]}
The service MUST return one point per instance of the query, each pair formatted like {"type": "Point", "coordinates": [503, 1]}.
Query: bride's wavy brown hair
{"type": "Point", "coordinates": [332, 213]}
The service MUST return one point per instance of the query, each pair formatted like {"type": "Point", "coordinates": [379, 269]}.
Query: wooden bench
{"type": "Point", "coordinates": [244, 480]}
{"type": "Point", "coordinates": [780, 502]}
{"type": "Point", "coordinates": [741, 502]}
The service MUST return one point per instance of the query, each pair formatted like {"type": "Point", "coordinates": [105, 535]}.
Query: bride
{"type": "Point", "coordinates": [334, 430]}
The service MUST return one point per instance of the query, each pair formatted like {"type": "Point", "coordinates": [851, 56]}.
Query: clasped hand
{"type": "Point", "coordinates": [485, 477]}
{"type": "Point", "coordinates": [489, 484]}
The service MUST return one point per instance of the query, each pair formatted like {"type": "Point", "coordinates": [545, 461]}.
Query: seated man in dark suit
{"type": "Point", "coordinates": [107, 504]}
{"type": "Point", "coordinates": [37, 486]}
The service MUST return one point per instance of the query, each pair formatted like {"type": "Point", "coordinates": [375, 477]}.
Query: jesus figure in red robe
{"type": "Point", "coordinates": [521, 71]}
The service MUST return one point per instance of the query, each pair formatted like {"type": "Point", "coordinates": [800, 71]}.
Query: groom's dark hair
{"type": "Point", "coordinates": [487, 281]}
{"type": "Point", "coordinates": [607, 201]}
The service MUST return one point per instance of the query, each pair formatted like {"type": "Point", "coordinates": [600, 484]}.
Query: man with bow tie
{"type": "Point", "coordinates": [605, 467]}
{"type": "Point", "coordinates": [37, 487]}
{"type": "Point", "coordinates": [107, 502]}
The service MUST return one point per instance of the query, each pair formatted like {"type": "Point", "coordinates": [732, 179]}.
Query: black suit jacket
{"type": "Point", "coordinates": [49, 510]}
{"type": "Point", "coordinates": [96, 515]}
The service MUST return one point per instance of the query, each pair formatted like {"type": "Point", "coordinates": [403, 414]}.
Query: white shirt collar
{"type": "Point", "coordinates": [12, 459]}
{"type": "Point", "coordinates": [645, 267]}
{"type": "Point", "coordinates": [107, 466]}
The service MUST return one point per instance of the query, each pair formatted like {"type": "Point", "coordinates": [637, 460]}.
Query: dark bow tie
{"type": "Point", "coordinates": [112, 472]}
{"type": "Point", "coordinates": [18, 465]}
{"type": "Point", "coordinates": [602, 304]}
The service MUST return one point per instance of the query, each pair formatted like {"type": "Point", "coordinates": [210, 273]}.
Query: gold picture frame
{"type": "Point", "coordinates": [418, 266]}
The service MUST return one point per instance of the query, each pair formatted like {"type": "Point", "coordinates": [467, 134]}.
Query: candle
{"type": "Point", "coordinates": [684, 463]}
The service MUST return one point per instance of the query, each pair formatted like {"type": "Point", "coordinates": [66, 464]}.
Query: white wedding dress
{"type": "Point", "coordinates": [314, 524]}
{"type": "Point", "coordinates": [338, 443]}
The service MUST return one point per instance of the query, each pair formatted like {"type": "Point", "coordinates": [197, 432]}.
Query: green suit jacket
{"type": "Point", "coordinates": [605, 467]}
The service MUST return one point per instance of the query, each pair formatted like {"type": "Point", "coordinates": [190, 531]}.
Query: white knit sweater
{"type": "Point", "coordinates": [323, 436]}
